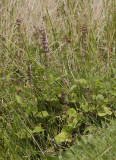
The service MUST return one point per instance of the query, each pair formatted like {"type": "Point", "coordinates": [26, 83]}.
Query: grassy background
{"type": "Point", "coordinates": [57, 74]}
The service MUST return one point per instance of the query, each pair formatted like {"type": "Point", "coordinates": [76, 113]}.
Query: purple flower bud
{"type": "Point", "coordinates": [44, 45]}
{"type": "Point", "coordinates": [63, 97]}
{"type": "Point", "coordinates": [18, 22]}
{"type": "Point", "coordinates": [84, 35]}
{"type": "Point", "coordinates": [84, 28]}
{"type": "Point", "coordinates": [28, 73]}
{"type": "Point", "coordinates": [84, 32]}
{"type": "Point", "coordinates": [67, 40]}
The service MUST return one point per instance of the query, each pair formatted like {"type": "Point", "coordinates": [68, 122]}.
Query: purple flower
{"type": "Point", "coordinates": [29, 73]}
{"type": "Point", "coordinates": [63, 101]}
{"type": "Point", "coordinates": [84, 35]}
{"type": "Point", "coordinates": [63, 97]}
{"type": "Point", "coordinates": [18, 22]}
{"type": "Point", "coordinates": [44, 45]}
{"type": "Point", "coordinates": [67, 40]}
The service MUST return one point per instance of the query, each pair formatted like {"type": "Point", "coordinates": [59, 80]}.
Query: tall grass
{"type": "Point", "coordinates": [55, 81]}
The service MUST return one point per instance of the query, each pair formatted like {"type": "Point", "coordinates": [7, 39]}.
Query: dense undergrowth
{"type": "Point", "coordinates": [98, 146]}
{"type": "Point", "coordinates": [57, 74]}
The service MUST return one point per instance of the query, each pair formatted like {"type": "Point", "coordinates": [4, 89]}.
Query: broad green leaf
{"type": "Point", "coordinates": [68, 128]}
{"type": "Point", "coordinates": [71, 125]}
{"type": "Point", "coordinates": [71, 111]}
{"type": "Point", "coordinates": [38, 129]}
{"type": "Point", "coordinates": [30, 110]}
{"type": "Point", "coordinates": [91, 108]}
{"type": "Point", "coordinates": [74, 123]}
{"type": "Point", "coordinates": [113, 93]}
{"type": "Point", "coordinates": [101, 114]}
{"type": "Point", "coordinates": [84, 106]}
{"type": "Point", "coordinates": [51, 79]}
{"type": "Point", "coordinates": [107, 110]}
{"type": "Point", "coordinates": [103, 111]}
{"type": "Point", "coordinates": [18, 99]}
{"type": "Point", "coordinates": [82, 82]}
{"type": "Point", "coordinates": [99, 97]}
{"type": "Point", "coordinates": [90, 129]}
{"type": "Point", "coordinates": [73, 87]}
{"type": "Point", "coordinates": [63, 137]}
{"type": "Point", "coordinates": [74, 118]}
{"type": "Point", "coordinates": [74, 98]}
{"type": "Point", "coordinates": [64, 116]}
{"type": "Point", "coordinates": [34, 111]}
{"type": "Point", "coordinates": [42, 114]}
{"type": "Point", "coordinates": [27, 112]}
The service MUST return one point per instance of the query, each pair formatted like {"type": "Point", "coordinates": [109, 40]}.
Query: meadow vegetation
{"type": "Point", "coordinates": [57, 78]}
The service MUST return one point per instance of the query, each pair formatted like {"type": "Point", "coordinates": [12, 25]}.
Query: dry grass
{"type": "Point", "coordinates": [59, 17]}
{"type": "Point", "coordinates": [32, 12]}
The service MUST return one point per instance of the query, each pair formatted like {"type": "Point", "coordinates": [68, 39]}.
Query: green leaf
{"type": "Point", "coordinates": [27, 112]}
{"type": "Point", "coordinates": [101, 114]}
{"type": "Point", "coordinates": [84, 106]}
{"type": "Point", "coordinates": [82, 82]}
{"type": "Point", "coordinates": [73, 123]}
{"type": "Point", "coordinates": [63, 136]}
{"type": "Point", "coordinates": [38, 129]}
{"type": "Point", "coordinates": [51, 79]}
{"type": "Point", "coordinates": [18, 99]}
{"type": "Point", "coordinates": [73, 87]}
{"type": "Point", "coordinates": [103, 111]}
{"type": "Point", "coordinates": [113, 93]}
{"type": "Point", "coordinates": [107, 110]}
{"type": "Point", "coordinates": [68, 128]}
{"type": "Point", "coordinates": [99, 97]}
{"type": "Point", "coordinates": [74, 98]}
{"type": "Point", "coordinates": [74, 118]}
{"type": "Point", "coordinates": [90, 129]}
{"type": "Point", "coordinates": [71, 111]}
{"type": "Point", "coordinates": [42, 114]}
